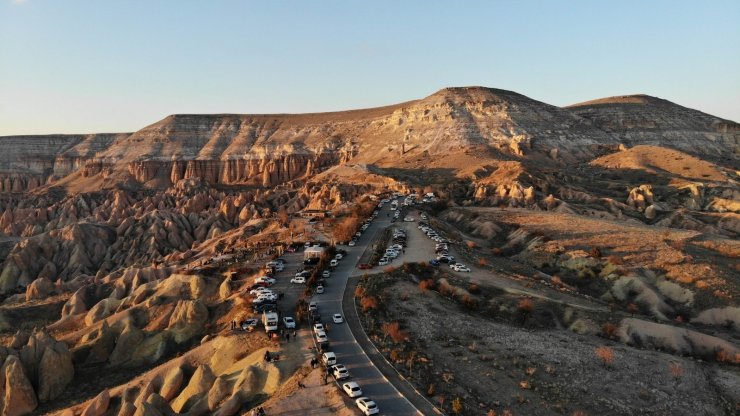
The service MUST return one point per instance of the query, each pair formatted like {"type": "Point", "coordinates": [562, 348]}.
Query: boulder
{"type": "Point", "coordinates": [198, 385]}
{"type": "Point", "coordinates": [126, 344]}
{"type": "Point", "coordinates": [172, 383]}
{"type": "Point", "coordinates": [39, 289]}
{"type": "Point", "coordinates": [55, 372]}
{"type": "Point", "coordinates": [99, 405]}
{"type": "Point", "coordinates": [18, 395]}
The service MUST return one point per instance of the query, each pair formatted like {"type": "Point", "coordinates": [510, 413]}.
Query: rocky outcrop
{"type": "Point", "coordinates": [17, 396]}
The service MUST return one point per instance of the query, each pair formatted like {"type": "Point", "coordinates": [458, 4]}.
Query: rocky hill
{"type": "Point", "coordinates": [267, 150]}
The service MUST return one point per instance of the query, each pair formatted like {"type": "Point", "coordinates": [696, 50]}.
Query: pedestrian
{"type": "Point", "coordinates": [294, 333]}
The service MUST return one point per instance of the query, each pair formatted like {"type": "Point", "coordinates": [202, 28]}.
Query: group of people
{"type": "Point", "coordinates": [258, 411]}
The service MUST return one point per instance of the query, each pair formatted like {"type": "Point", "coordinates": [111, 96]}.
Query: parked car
{"type": "Point", "coordinates": [461, 268]}
{"type": "Point", "coordinates": [338, 256]}
{"type": "Point", "coordinates": [313, 306]}
{"type": "Point", "coordinates": [333, 263]}
{"type": "Point", "coordinates": [326, 274]}
{"type": "Point", "coordinates": [367, 406]}
{"type": "Point", "coordinates": [319, 289]}
{"type": "Point", "coordinates": [364, 266]}
{"type": "Point", "coordinates": [434, 262]}
{"type": "Point", "coordinates": [318, 327]}
{"type": "Point", "coordinates": [337, 318]}
{"type": "Point", "coordinates": [250, 324]}
{"type": "Point", "coordinates": [408, 219]}
{"type": "Point", "coordinates": [268, 280]}
{"type": "Point", "coordinates": [352, 389]}
{"type": "Point", "coordinates": [329, 358]}
{"type": "Point", "coordinates": [383, 262]}
{"type": "Point", "coordinates": [299, 280]}
{"type": "Point", "coordinates": [351, 243]}
{"type": "Point", "coordinates": [339, 371]}
{"type": "Point", "coordinates": [321, 337]}
{"type": "Point", "coordinates": [264, 307]}
{"type": "Point", "coordinates": [289, 322]}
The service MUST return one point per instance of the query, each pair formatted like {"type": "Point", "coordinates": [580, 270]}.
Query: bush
{"type": "Point", "coordinates": [470, 244]}
{"type": "Point", "coordinates": [595, 252]}
{"type": "Point", "coordinates": [525, 305]}
{"type": "Point", "coordinates": [425, 285]}
{"type": "Point", "coordinates": [457, 405]}
{"type": "Point", "coordinates": [675, 369]}
{"type": "Point", "coordinates": [482, 262]}
{"type": "Point", "coordinates": [469, 302]}
{"type": "Point", "coordinates": [368, 303]}
{"type": "Point", "coordinates": [609, 329]}
{"type": "Point", "coordinates": [606, 355]}
{"type": "Point", "coordinates": [389, 269]}
{"type": "Point", "coordinates": [360, 291]}
{"type": "Point", "coordinates": [474, 288]}
{"type": "Point", "coordinates": [393, 330]}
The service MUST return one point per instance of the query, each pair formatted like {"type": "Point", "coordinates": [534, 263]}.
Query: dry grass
{"type": "Point", "coordinates": [606, 355]}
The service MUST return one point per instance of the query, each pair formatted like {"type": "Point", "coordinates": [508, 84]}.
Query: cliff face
{"type": "Point", "coordinates": [644, 120]}
{"type": "Point", "coordinates": [267, 150]}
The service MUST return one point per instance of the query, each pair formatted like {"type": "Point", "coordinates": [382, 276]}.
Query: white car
{"type": "Point", "coordinates": [333, 263]}
{"type": "Point", "coordinates": [392, 254]}
{"type": "Point", "coordinates": [321, 337]}
{"type": "Point", "coordinates": [352, 389]}
{"type": "Point", "coordinates": [265, 279]}
{"type": "Point", "coordinates": [337, 318]}
{"type": "Point", "coordinates": [339, 372]}
{"type": "Point", "coordinates": [397, 247]}
{"type": "Point", "coordinates": [351, 243]}
{"type": "Point", "coordinates": [313, 306]}
{"type": "Point", "coordinates": [319, 289]}
{"type": "Point", "coordinates": [408, 219]}
{"type": "Point", "coordinates": [289, 322]}
{"type": "Point", "coordinates": [299, 279]}
{"type": "Point", "coordinates": [367, 406]}
{"type": "Point", "coordinates": [260, 290]}
{"type": "Point", "coordinates": [318, 328]}
{"type": "Point", "coordinates": [267, 296]}
{"type": "Point", "coordinates": [326, 274]}
{"type": "Point", "coordinates": [383, 262]}
{"type": "Point", "coordinates": [329, 358]}
{"type": "Point", "coordinates": [338, 256]}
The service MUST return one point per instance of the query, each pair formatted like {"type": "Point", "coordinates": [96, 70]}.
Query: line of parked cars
{"type": "Point", "coordinates": [340, 372]}
{"type": "Point", "coordinates": [398, 243]}
{"type": "Point", "coordinates": [441, 248]}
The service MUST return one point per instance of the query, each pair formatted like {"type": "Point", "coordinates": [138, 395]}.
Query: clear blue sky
{"type": "Point", "coordinates": [92, 65]}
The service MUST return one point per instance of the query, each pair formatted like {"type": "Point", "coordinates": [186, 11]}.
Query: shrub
{"type": "Point", "coordinates": [427, 284]}
{"type": "Point", "coordinates": [675, 369]}
{"type": "Point", "coordinates": [525, 305]}
{"type": "Point", "coordinates": [457, 405]}
{"type": "Point", "coordinates": [469, 302]}
{"type": "Point", "coordinates": [389, 269]}
{"type": "Point", "coordinates": [474, 288]}
{"type": "Point", "coordinates": [609, 329]}
{"type": "Point", "coordinates": [497, 251]}
{"type": "Point", "coordinates": [617, 261]}
{"type": "Point", "coordinates": [595, 252]}
{"type": "Point", "coordinates": [393, 330]}
{"type": "Point", "coordinates": [470, 244]}
{"type": "Point", "coordinates": [556, 280]}
{"type": "Point", "coordinates": [633, 308]}
{"type": "Point", "coordinates": [368, 303]}
{"type": "Point", "coordinates": [606, 355]}
{"type": "Point", "coordinates": [482, 262]}
{"type": "Point", "coordinates": [360, 291]}
{"type": "Point", "coordinates": [431, 390]}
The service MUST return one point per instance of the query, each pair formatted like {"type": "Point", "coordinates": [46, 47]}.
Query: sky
{"type": "Point", "coordinates": [83, 66]}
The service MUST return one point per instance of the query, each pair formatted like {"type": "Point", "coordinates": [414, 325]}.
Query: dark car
{"type": "Point", "coordinates": [314, 260]}
{"type": "Point", "coordinates": [364, 266]}
{"type": "Point", "coordinates": [315, 317]}
{"type": "Point", "coordinates": [434, 262]}
{"type": "Point", "coordinates": [264, 307]}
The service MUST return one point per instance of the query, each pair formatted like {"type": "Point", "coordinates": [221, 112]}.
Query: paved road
{"type": "Point", "coordinates": [342, 341]}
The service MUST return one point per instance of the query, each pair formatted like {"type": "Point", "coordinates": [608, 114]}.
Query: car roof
{"type": "Point", "coordinates": [351, 384]}
{"type": "Point", "coordinates": [330, 354]}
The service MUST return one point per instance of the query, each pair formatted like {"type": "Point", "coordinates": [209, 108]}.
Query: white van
{"type": "Point", "coordinates": [329, 358]}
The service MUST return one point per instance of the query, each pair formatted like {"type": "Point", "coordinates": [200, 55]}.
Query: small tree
{"type": "Point", "coordinates": [368, 303]}
{"type": "Point", "coordinates": [609, 329]}
{"type": "Point", "coordinates": [425, 285]}
{"type": "Point", "coordinates": [457, 405]}
{"type": "Point", "coordinates": [676, 370]}
{"type": "Point", "coordinates": [606, 355]}
{"type": "Point", "coordinates": [632, 308]}
{"type": "Point", "coordinates": [393, 330]}
{"type": "Point", "coordinates": [525, 306]}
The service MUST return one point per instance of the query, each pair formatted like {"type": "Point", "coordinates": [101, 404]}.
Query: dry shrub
{"type": "Point", "coordinates": [595, 252]}
{"type": "Point", "coordinates": [469, 302]}
{"type": "Point", "coordinates": [482, 262]}
{"type": "Point", "coordinates": [389, 269]}
{"type": "Point", "coordinates": [675, 369]}
{"type": "Point", "coordinates": [346, 229]}
{"type": "Point", "coordinates": [431, 390]}
{"type": "Point", "coordinates": [425, 285]}
{"type": "Point", "coordinates": [507, 412]}
{"type": "Point", "coordinates": [530, 371]}
{"type": "Point", "coordinates": [395, 355]}
{"type": "Point", "coordinates": [579, 413]}
{"type": "Point", "coordinates": [497, 251]}
{"type": "Point", "coordinates": [457, 405]}
{"type": "Point", "coordinates": [725, 356]}
{"type": "Point", "coordinates": [474, 288]}
{"type": "Point", "coordinates": [633, 308]}
{"type": "Point", "coordinates": [525, 305]}
{"type": "Point", "coordinates": [617, 261]}
{"type": "Point", "coordinates": [368, 303]}
{"type": "Point", "coordinates": [606, 355]}
{"type": "Point", "coordinates": [556, 280]}
{"type": "Point", "coordinates": [609, 329]}
{"type": "Point", "coordinates": [470, 244]}
{"type": "Point", "coordinates": [360, 291]}
{"type": "Point", "coordinates": [393, 330]}
{"type": "Point", "coordinates": [491, 412]}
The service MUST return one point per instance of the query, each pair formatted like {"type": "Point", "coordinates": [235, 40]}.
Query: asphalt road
{"type": "Point", "coordinates": [342, 341]}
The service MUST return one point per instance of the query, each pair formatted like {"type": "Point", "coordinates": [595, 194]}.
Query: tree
{"type": "Point", "coordinates": [525, 306]}
{"type": "Point", "coordinates": [393, 330]}
{"type": "Point", "coordinates": [457, 405]}
{"type": "Point", "coordinates": [368, 302]}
